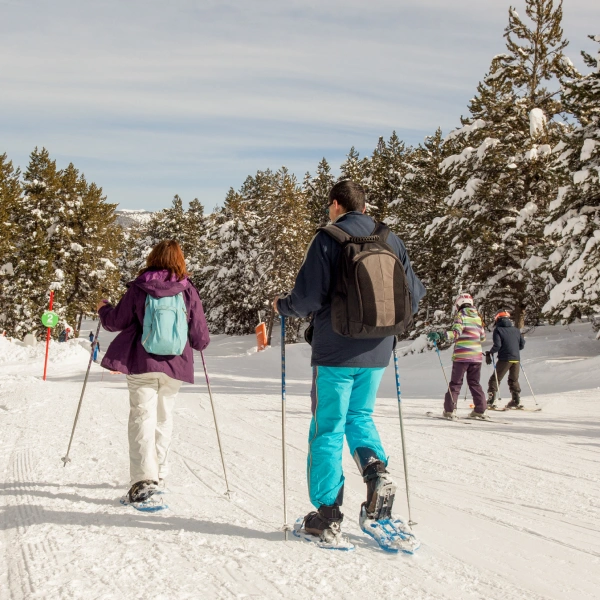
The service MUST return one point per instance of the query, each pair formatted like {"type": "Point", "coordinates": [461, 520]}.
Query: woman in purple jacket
{"type": "Point", "coordinates": [153, 380]}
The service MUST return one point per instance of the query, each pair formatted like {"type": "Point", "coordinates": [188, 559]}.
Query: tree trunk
{"type": "Point", "coordinates": [519, 316]}
{"type": "Point", "coordinates": [79, 325]}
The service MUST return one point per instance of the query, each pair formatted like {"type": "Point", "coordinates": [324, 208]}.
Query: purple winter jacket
{"type": "Point", "coordinates": [126, 353]}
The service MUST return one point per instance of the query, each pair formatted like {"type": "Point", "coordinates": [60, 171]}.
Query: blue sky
{"type": "Point", "coordinates": [150, 98]}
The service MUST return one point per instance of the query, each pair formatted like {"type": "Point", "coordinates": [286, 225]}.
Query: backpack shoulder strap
{"type": "Point", "coordinates": [337, 233]}
{"type": "Point", "coordinates": [382, 230]}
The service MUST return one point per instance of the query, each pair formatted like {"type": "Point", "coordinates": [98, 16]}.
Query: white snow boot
{"type": "Point", "coordinates": [477, 415]}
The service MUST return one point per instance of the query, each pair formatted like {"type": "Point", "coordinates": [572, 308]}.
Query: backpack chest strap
{"type": "Point", "coordinates": [379, 234]}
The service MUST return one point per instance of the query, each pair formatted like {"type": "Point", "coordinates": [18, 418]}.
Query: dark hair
{"type": "Point", "coordinates": [349, 195]}
{"type": "Point", "coordinates": [166, 255]}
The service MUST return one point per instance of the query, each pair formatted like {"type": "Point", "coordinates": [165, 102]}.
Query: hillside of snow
{"type": "Point", "coordinates": [505, 510]}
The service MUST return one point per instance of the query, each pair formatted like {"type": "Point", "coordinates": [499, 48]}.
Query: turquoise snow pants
{"type": "Point", "coordinates": [343, 399]}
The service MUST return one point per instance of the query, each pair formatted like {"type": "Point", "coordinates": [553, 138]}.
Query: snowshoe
{"type": "Point", "coordinates": [154, 504]}
{"type": "Point", "coordinates": [392, 535]}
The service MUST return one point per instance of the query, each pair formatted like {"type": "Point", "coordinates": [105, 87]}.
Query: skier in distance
{"type": "Point", "coordinates": [347, 371]}
{"type": "Point", "coordinates": [154, 379]}
{"type": "Point", "coordinates": [508, 343]}
{"type": "Point", "coordinates": [467, 333]}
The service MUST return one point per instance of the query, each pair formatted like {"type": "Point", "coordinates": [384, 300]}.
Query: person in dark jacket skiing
{"type": "Point", "coordinates": [153, 380]}
{"type": "Point", "coordinates": [346, 371]}
{"type": "Point", "coordinates": [508, 343]}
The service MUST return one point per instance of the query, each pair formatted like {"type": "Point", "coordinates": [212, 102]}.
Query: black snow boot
{"type": "Point", "coordinates": [515, 402]}
{"type": "Point", "coordinates": [381, 490]}
{"type": "Point", "coordinates": [142, 490]}
{"type": "Point", "coordinates": [491, 399]}
{"type": "Point", "coordinates": [325, 523]}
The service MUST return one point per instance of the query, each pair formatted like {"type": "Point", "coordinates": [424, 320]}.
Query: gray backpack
{"type": "Point", "coordinates": [370, 296]}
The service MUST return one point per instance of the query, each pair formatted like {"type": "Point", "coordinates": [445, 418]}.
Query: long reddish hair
{"type": "Point", "coordinates": [166, 255]}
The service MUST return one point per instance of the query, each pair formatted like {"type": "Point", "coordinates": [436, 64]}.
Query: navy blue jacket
{"type": "Point", "coordinates": [311, 295]}
{"type": "Point", "coordinates": [508, 340]}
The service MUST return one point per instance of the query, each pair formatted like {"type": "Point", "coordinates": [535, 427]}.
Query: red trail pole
{"type": "Point", "coordinates": [48, 335]}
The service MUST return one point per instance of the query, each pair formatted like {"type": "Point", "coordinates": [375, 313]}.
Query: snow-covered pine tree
{"type": "Point", "coordinates": [25, 294]}
{"type": "Point", "coordinates": [355, 168]}
{"type": "Point", "coordinates": [388, 168]}
{"type": "Point", "coordinates": [316, 190]}
{"type": "Point", "coordinates": [10, 196]}
{"type": "Point", "coordinates": [166, 224]}
{"type": "Point", "coordinates": [501, 181]}
{"type": "Point", "coordinates": [193, 240]}
{"type": "Point", "coordinates": [421, 205]}
{"type": "Point", "coordinates": [575, 213]}
{"type": "Point", "coordinates": [285, 232]}
{"type": "Point", "coordinates": [230, 280]}
{"type": "Point", "coordinates": [169, 223]}
{"type": "Point", "coordinates": [90, 260]}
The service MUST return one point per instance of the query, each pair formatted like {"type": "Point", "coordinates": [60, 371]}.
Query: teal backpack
{"type": "Point", "coordinates": [165, 326]}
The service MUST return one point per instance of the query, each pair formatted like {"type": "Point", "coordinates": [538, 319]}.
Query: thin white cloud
{"type": "Point", "coordinates": [226, 85]}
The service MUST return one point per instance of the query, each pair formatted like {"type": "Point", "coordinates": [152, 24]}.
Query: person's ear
{"type": "Point", "coordinates": [364, 210]}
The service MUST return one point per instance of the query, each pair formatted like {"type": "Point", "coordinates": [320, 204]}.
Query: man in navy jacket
{"type": "Point", "coordinates": [346, 371]}
{"type": "Point", "coordinates": [508, 343]}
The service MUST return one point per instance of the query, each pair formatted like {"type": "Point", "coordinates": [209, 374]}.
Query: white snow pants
{"type": "Point", "coordinates": [151, 401]}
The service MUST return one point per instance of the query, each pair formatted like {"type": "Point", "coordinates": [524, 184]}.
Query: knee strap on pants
{"type": "Point", "coordinates": [151, 401]}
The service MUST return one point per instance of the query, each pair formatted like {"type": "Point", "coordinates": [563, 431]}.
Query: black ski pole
{"type": "Point", "coordinates": [399, 394]}
{"type": "Point", "coordinates": [496, 374]}
{"type": "Point", "coordinates": [446, 378]}
{"type": "Point", "coordinates": [66, 458]}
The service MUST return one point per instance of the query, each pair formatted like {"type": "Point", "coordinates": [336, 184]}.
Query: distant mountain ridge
{"type": "Point", "coordinates": [127, 218]}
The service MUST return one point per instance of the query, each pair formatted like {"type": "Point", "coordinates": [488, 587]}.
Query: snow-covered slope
{"type": "Point", "coordinates": [504, 511]}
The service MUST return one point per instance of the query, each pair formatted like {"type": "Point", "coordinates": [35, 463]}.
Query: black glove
{"type": "Point", "coordinates": [308, 334]}
{"type": "Point", "coordinates": [488, 358]}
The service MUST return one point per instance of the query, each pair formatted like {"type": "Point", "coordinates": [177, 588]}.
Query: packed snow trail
{"type": "Point", "coordinates": [503, 511]}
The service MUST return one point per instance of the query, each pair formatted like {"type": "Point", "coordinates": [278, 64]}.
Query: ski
{"type": "Point", "coordinates": [488, 420]}
{"type": "Point", "coordinates": [433, 415]}
{"type": "Point", "coordinates": [392, 535]}
{"type": "Point", "coordinates": [151, 505]}
{"type": "Point", "coordinates": [524, 409]}
{"type": "Point", "coordinates": [343, 543]}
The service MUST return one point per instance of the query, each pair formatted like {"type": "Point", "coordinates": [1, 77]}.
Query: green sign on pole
{"type": "Point", "coordinates": [50, 319]}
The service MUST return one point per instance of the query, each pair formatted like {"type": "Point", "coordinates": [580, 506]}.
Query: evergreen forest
{"type": "Point", "coordinates": [505, 207]}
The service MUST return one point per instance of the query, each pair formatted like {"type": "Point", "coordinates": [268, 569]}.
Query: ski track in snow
{"type": "Point", "coordinates": [503, 511]}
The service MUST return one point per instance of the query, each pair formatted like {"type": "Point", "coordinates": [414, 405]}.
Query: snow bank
{"type": "Point", "coordinates": [14, 351]}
